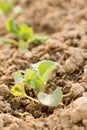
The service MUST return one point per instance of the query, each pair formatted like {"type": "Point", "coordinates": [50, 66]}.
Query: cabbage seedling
{"type": "Point", "coordinates": [36, 78]}
{"type": "Point", "coordinates": [24, 34]}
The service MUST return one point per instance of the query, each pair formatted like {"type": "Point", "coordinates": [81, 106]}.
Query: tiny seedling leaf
{"type": "Point", "coordinates": [44, 68]}
{"type": "Point", "coordinates": [25, 32]}
{"type": "Point", "coordinates": [39, 39]}
{"type": "Point", "coordinates": [18, 90]}
{"type": "Point", "coordinates": [18, 78]}
{"type": "Point", "coordinates": [51, 99]}
{"type": "Point", "coordinates": [11, 26]}
{"type": "Point", "coordinates": [33, 80]}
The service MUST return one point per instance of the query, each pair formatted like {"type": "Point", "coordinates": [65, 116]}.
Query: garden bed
{"type": "Point", "coordinates": [65, 23]}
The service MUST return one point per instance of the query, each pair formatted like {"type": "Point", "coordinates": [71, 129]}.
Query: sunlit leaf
{"type": "Point", "coordinates": [51, 99]}
{"type": "Point", "coordinates": [44, 68]}
{"type": "Point", "coordinates": [18, 90]}
{"type": "Point", "coordinates": [33, 80]}
{"type": "Point", "coordinates": [11, 26]}
{"type": "Point", "coordinates": [25, 32]}
{"type": "Point", "coordinates": [18, 78]}
{"type": "Point", "coordinates": [39, 39]}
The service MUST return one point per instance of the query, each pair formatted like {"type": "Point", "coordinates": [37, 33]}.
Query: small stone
{"type": "Point", "coordinates": [70, 66]}
{"type": "Point", "coordinates": [79, 110]}
{"type": "Point", "coordinates": [77, 90]}
{"type": "Point", "coordinates": [4, 91]}
{"type": "Point", "coordinates": [85, 122]}
{"type": "Point", "coordinates": [46, 57]}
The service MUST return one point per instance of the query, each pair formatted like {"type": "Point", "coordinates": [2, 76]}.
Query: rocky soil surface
{"type": "Point", "coordinates": [65, 22]}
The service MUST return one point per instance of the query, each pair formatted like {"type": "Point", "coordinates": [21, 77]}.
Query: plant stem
{"type": "Point", "coordinates": [14, 42]}
{"type": "Point", "coordinates": [35, 100]}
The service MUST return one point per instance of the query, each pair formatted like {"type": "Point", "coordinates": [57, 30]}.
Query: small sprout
{"type": "Point", "coordinates": [51, 99]}
{"type": "Point", "coordinates": [6, 6]}
{"type": "Point", "coordinates": [36, 78]}
{"type": "Point", "coordinates": [24, 34]}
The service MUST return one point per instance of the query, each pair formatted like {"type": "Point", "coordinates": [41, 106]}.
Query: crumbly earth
{"type": "Point", "coordinates": [65, 22]}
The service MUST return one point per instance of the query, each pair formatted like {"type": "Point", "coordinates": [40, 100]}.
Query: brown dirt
{"type": "Point", "coordinates": [66, 24]}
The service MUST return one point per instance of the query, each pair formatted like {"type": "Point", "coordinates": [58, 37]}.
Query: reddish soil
{"type": "Point", "coordinates": [65, 22]}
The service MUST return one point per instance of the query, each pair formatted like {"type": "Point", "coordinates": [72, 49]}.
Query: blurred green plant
{"type": "Point", "coordinates": [24, 34]}
{"type": "Point", "coordinates": [6, 5]}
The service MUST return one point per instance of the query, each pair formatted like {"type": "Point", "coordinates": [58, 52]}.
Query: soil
{"type": "Point", "coordinates": [65, 22]}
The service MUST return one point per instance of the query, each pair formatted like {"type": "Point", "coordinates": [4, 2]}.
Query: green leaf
{"type": "Point", "coordinates": [25, 32]}
{"type": "Point", "coordinates": [8, 41]}
{"type": "Point", "coordinates": [11, 26]}
{"type": "Point", "coordinates": [18, 90]}
{"type": "Point", "coordinates": [6, 5]}
{"type": "Point", "coordinates": [44, 68]}
{"type": "Point", "coordinates": [18, 77]}
{"type": "Point", "coordinates": [51, 99]}
{"type": "Point", "coordinates": [33, 80]}
{"type": "Point", "coordinates": [39, 39]}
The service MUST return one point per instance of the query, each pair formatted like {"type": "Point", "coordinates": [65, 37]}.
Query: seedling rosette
{"type": "Point", "coordinates": [24, 34]}
{"type": "Point", "coordinates": [36, 78]}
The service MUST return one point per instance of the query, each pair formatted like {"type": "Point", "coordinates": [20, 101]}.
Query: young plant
{"type": "Point", "coordinates": [36, 78]}
{"type": "Point", "coordinates": [24, 34]}
{"type": "Point", "coordinates": [6, 6]}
